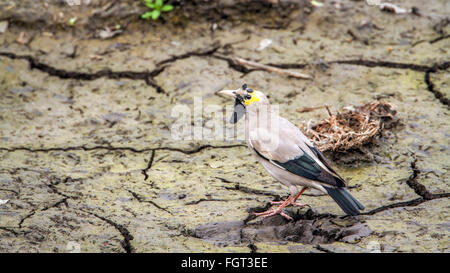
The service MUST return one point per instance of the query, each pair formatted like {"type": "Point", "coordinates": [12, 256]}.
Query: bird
{"type": "Point", "coordinates": [286, 153]}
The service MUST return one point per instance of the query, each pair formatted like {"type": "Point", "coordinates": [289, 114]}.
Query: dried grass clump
{"type": "Point", "coordinates": [353, 128]}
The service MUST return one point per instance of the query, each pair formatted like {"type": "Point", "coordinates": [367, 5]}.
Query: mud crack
{"type": "Point", "coordinates": [56, 204]}
{"type": "Point", "coordinates": [208, 200]}
{"type": "Point", "coordinates": [430, 85]}
{"type": "Point", "coordinates": [53, 182]}
{"type": "Point", "coordinates": [421, 68]}
{"type": "Point", "coordinates": [26, 217]}
{"type": "Point", "coordinates": [443, 37]}
{"type": "Point", "coordinates": [147, 76]}
{"type": "Point", "coordinates": [12, 191]}
{"type": "Point", "coordinates": [127, 237]}
{"type": "Point", "coordinates": [244, 189]}
{"type": "Point", "coordinates": [149, 165]}
{"type": "Point", "coordinates": [112, 148]}
{"type": "Point", "coordinates": [368, 63]}
{"type": "Point", "coordinates": [142, 200]}
{"type": "Point", "coordinates": [418, 188]}
{"type": "Point", "coordinates": [359, 62]}
{"type": "Point", "coordinates": [198, 53]}
{"type": "Point", "coordinates": [410, 203]}
{"type": "Point", "coordinates": [15, 233]}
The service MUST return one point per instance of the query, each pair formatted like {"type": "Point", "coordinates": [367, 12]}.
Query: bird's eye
{"type": "Point", "coordinates": [244, 86]}
{"type": "Point", "coordinates": [247, 97]}
{"type": "Point", "coordinates": [249, 90]}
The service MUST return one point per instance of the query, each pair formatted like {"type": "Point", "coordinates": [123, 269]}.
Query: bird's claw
{"type": "Point", "coordinates": [273, 212]}
{"type": "Point", "coordinates": [290, 201]}
{"type": "Point", "coordinates": [294, 204]}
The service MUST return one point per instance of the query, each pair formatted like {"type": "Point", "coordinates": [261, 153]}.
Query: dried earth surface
{"type": "Point", "coordinates": [88, 158]}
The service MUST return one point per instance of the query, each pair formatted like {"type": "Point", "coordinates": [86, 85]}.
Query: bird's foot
{"type": "Point", "coordinates": [296, 204]}
{"type": "Point", "coordinates": [273, 212]}
{"type": "Point", "coordinates": [290, 201]}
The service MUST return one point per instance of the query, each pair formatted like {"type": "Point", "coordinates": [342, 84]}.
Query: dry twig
{"type": "Point", "coordinates": [269, 68]}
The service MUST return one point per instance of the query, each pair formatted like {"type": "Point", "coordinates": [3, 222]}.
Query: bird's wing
{"type": "Point", "coordinates": [294, 153]}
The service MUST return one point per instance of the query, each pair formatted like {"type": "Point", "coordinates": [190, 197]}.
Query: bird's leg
{"type": "Point", "coordinates": [278, 210]}
{"type": "Point", "coordinates": [291, 200]}
{"type": "Point", "coordinates": [297, 196]}
{"type": "Point", "coordinates": [294, 203]}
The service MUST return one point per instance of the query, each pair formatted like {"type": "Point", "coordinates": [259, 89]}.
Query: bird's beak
{"type": "Point", "coordinates": [239, 107]}
{"type": "Point", "coordinates": [230, 93]}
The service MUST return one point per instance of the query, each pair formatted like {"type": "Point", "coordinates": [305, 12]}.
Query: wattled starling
{"type": "Point", "coordinates": [286, 153]}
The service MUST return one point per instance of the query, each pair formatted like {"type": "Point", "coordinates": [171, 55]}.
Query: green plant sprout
{"type": "Point", "coordinates": [72, 21]}
{"type": "Point", "coordinates": [157, 6]}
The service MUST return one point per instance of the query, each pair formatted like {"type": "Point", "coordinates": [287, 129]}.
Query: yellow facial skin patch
{"type": "Point", "coordinates": [251, 100]}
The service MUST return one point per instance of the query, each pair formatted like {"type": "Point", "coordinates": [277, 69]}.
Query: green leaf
{"type": "Point", "coordinates": [167, 8]}
{"type": "Point", "coordinates": [316, 3]}
{"type": "Point", "coordinates": [72, 21]}
{"type": "Point", "coordinates": [146, 15]}
{"type": "Point", "coordinates": [155, 14]}
{"type": "Point", "coordinates": [159, 3]}
{"type": "Point", "coordinates": [149, 3]}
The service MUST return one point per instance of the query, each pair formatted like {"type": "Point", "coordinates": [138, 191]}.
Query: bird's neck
{"type": "Point", "coordinates": [260, 117]}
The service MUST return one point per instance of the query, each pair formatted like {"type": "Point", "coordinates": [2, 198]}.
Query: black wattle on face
{"type": "Point", "coordinates": [239, 110]}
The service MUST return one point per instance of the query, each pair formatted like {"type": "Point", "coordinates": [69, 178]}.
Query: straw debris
{"type": "Point", "coordinates": [351, 129]}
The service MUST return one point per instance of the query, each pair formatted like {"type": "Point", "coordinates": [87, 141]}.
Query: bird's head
{"type": "Point", "coordinates": [245, 99]}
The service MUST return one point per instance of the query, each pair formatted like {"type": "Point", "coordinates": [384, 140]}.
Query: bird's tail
{"type": "Point", "coordinates": [348, 203]}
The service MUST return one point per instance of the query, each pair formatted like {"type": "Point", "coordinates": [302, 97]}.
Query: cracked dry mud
{"type": "Point", "coordinates": [87, 156]}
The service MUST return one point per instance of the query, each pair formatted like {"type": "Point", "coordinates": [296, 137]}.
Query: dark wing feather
{"type": "Point", "coordinates": [306, 166]}
{"type": "Point", "coordinates": [325, 162]}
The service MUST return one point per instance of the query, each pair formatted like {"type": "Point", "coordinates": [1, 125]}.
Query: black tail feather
{"type": "Point", "coordinates": [348, 203]}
